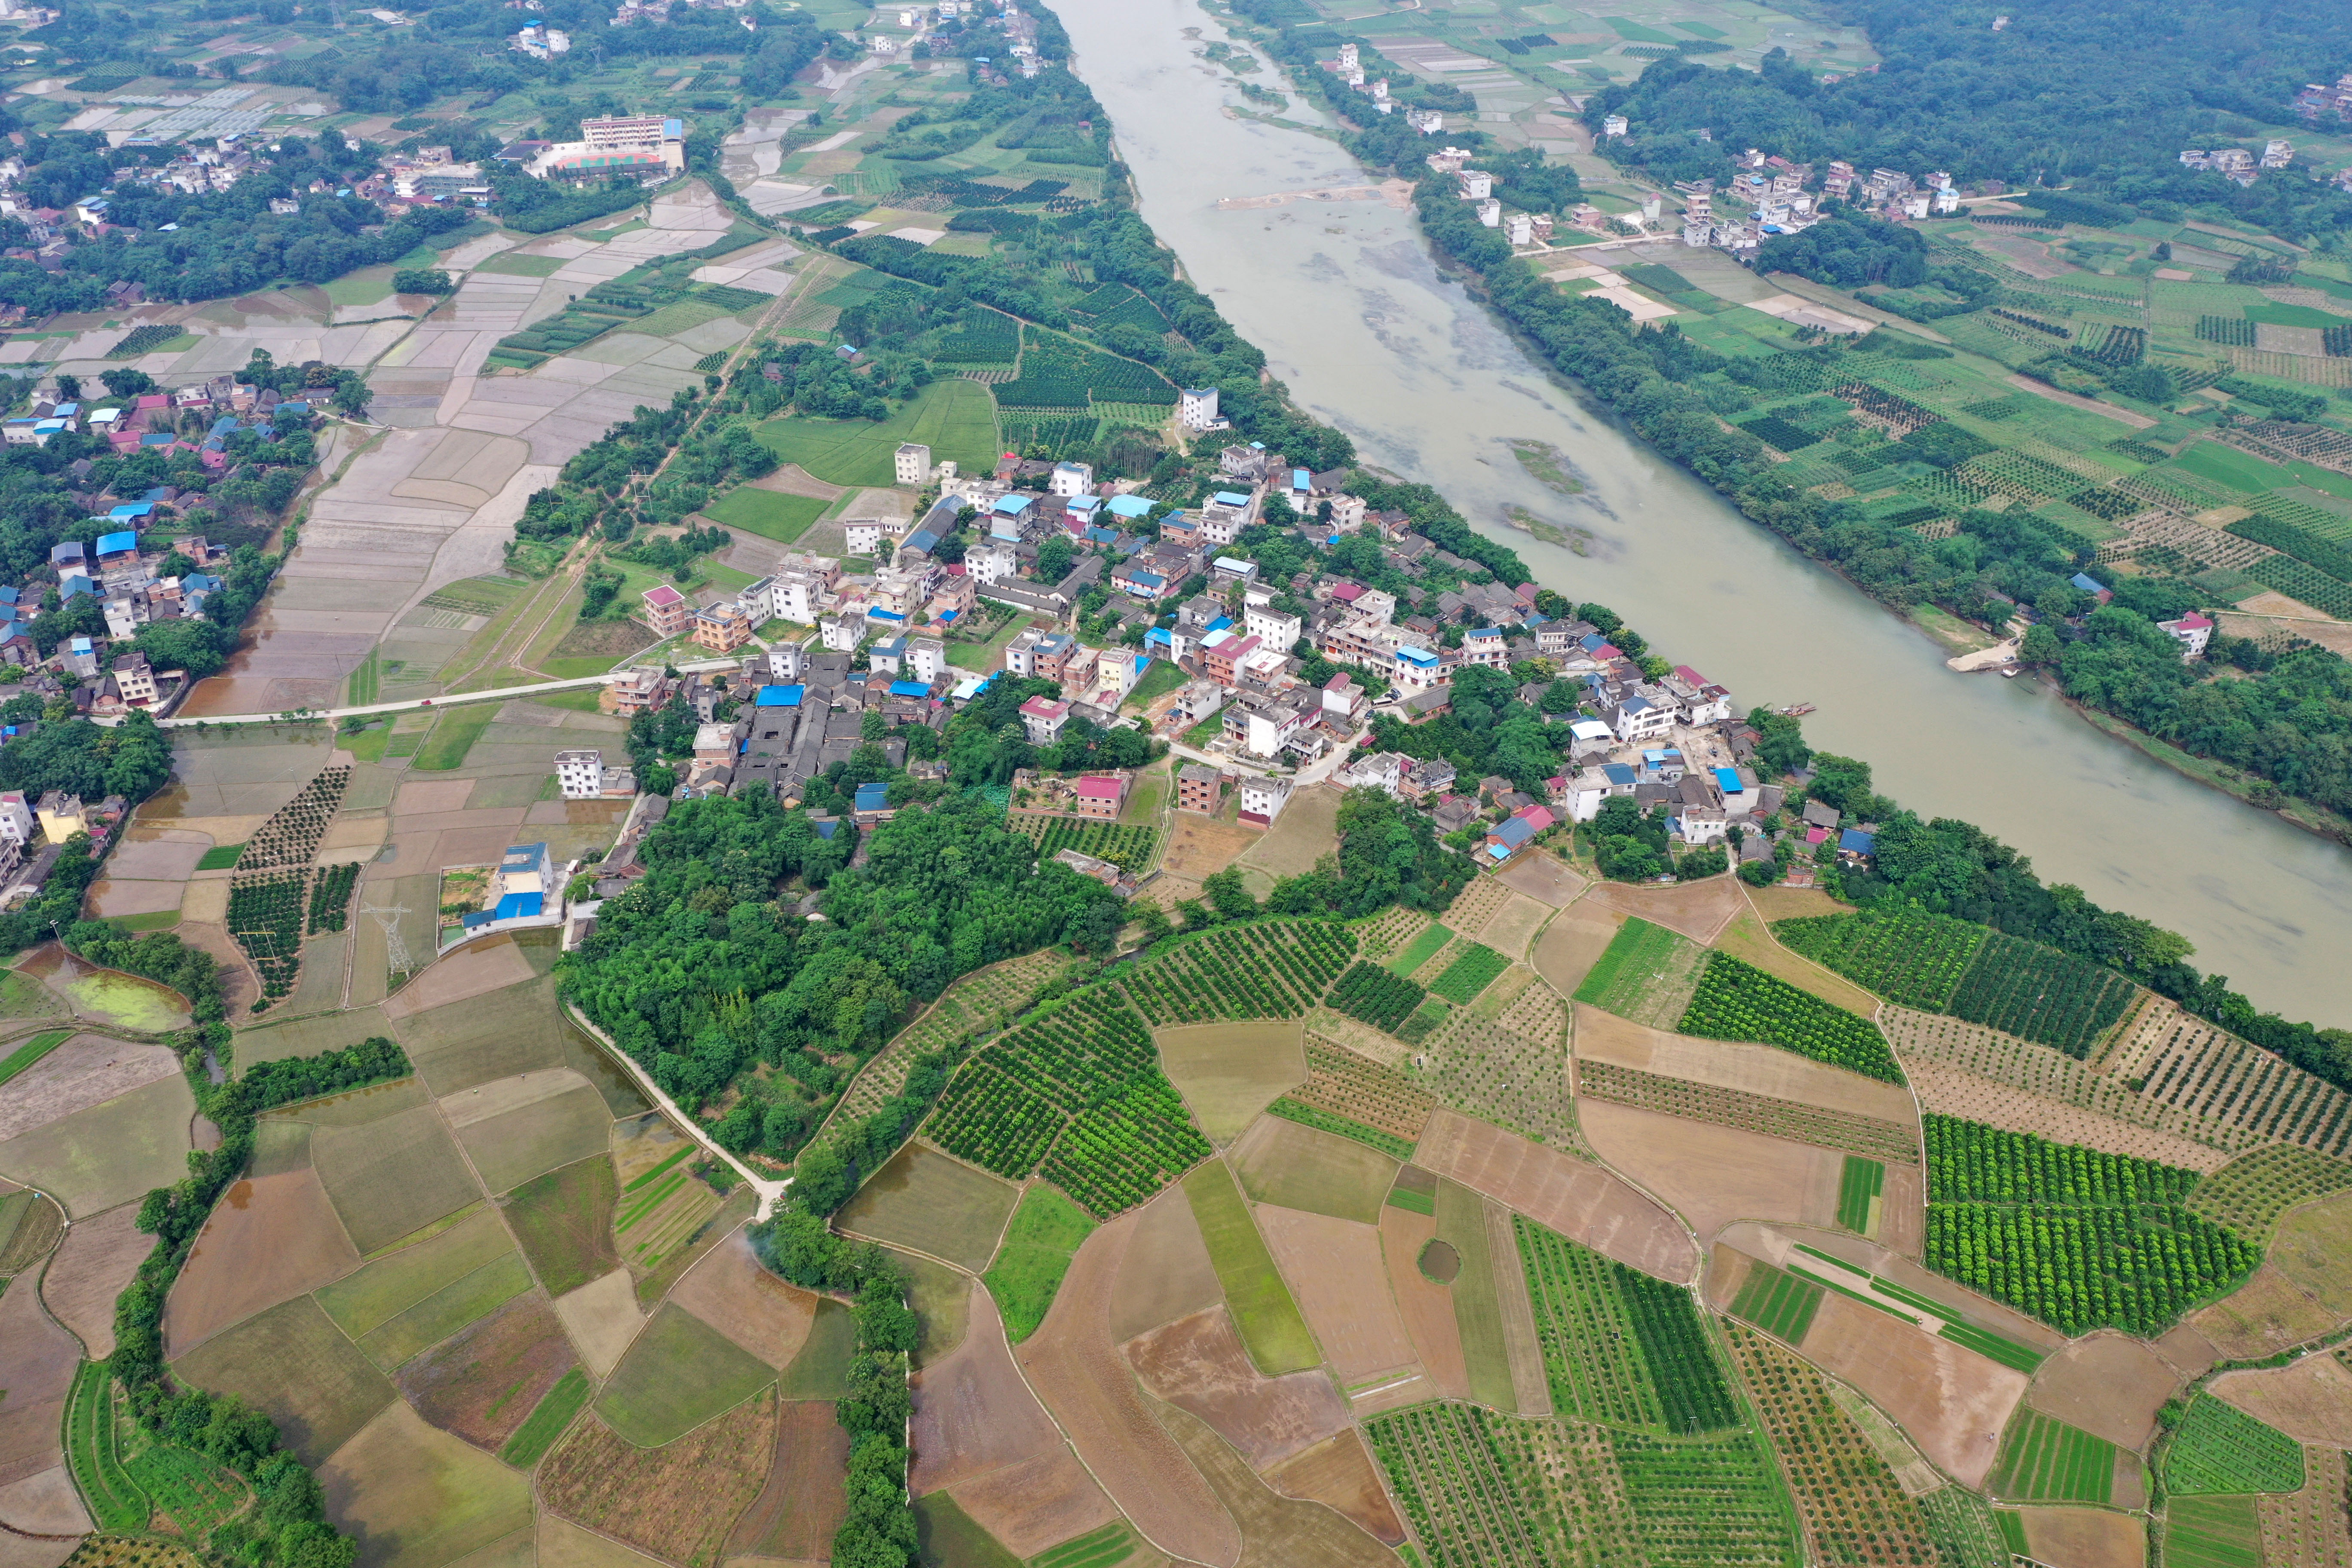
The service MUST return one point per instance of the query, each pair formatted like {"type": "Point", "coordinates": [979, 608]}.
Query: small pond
{"type": "Point", "coordinates": [106, 996]}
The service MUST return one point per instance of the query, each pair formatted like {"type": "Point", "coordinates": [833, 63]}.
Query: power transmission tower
{"type": "Point", "coordinates": [395, 948]}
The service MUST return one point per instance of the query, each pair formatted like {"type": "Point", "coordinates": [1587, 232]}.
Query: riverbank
{"type": "Point", "coordinates": [2303, 814]}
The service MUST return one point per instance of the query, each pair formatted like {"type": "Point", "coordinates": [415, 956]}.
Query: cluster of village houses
{"type": "Point", "coordinates": [882, 639]}
{"type": "Point", "coordinates": [652, 147]}
{"type": "Point", "coordinates": [126, 580]}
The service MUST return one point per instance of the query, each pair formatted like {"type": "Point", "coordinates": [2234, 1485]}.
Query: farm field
{"type": "Point", "coordinates": [1647, 973]}
{"type": "Point", "coordinates": [955, 418]}
{"type": "Point", "coordinates": [1738, 1001]}
{"type": "Point", "coordinates": [2220, 1448]}
{"type": "Point", "coordinates": [928, 1202]}
{"type": "Point", "coordinates": [1230, 1072]}
{"type": "Point", "coordinates": [1262, 1308]}
{"type": "Point", "coordinates": [1046, 1234]}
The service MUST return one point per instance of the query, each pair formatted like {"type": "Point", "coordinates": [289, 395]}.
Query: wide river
{"type": "Point", "coordinates": [1352, 312]}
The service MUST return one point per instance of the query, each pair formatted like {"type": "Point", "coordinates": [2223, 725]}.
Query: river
{"type": "Point", "coordinates": [1353, 314]}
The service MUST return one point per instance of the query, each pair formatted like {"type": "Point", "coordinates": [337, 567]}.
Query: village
{"type": "Point", "coordinates": [1260, 688]}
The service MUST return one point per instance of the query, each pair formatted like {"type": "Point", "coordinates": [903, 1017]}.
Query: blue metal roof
{"type": "Point", "coordinates": [1855, 840]}
{"type": "Point", "coordinates": [2088, 584]}
{"type": "Point", "coordinates": [514, 906]}
{"type": "Point", "coordinates": [1227, 497]}
{"type": "Point", "coordinates": [1013, 505]}
{"type": "Point", "coordinates": [1128, 506]}
{"type": "Point", "coordinates": [873, 797]}
{"type": "Point", "coordinates": [118, 543]}
{"type": "Point", "coordinates": [780, 696]}
{"type": "Point", "coordinates": [910, 689]}
{"type": "Point", "coordinates": [1617, 773]}
{"type": "Point", "coordinates": [129, 512]}
{"type": "Point", "coordinates": [1727, 779]}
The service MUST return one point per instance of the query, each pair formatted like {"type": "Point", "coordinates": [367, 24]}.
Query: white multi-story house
{"type": "Point", "coordinates": [841, 633]}
{"type": "Point", "coordinates": [1485, 646]}
{"type": "Point", "coordinates": [989, 562]}
{"type": "Point", "coordinates": [1072, 480]}
{"type": "Point", "coordinates": [864, 535]}
{"type": "Point", "coordinates": [1196, 409]}
{"type": "Point", "coordinates": [2191, 631]}
{"type": "Point", "coordinates": [16, 821]}
{"type": "Point", "coordinates": [913, 463]}
{"type": "Point", "coordinates": [1225, 514]}
{"type": "Point", "coordinates": [927, 658]}
{"type": "Point", "coordinates": [1415, 669]}
{"type": "Point", "coordinates": [796, 597]}
{"type": "Point", "coordinates": [1262, 800]}
{"type": "Point", "coordinates": [580, 774]}
{"type": "Point", "coordinates": [1637, 718]}
{"type": "Point", "coordinates": [1271, 626]}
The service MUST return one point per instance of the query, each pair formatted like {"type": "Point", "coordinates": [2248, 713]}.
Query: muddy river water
{"type": "Point", "coordinates": [1350, 307]}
